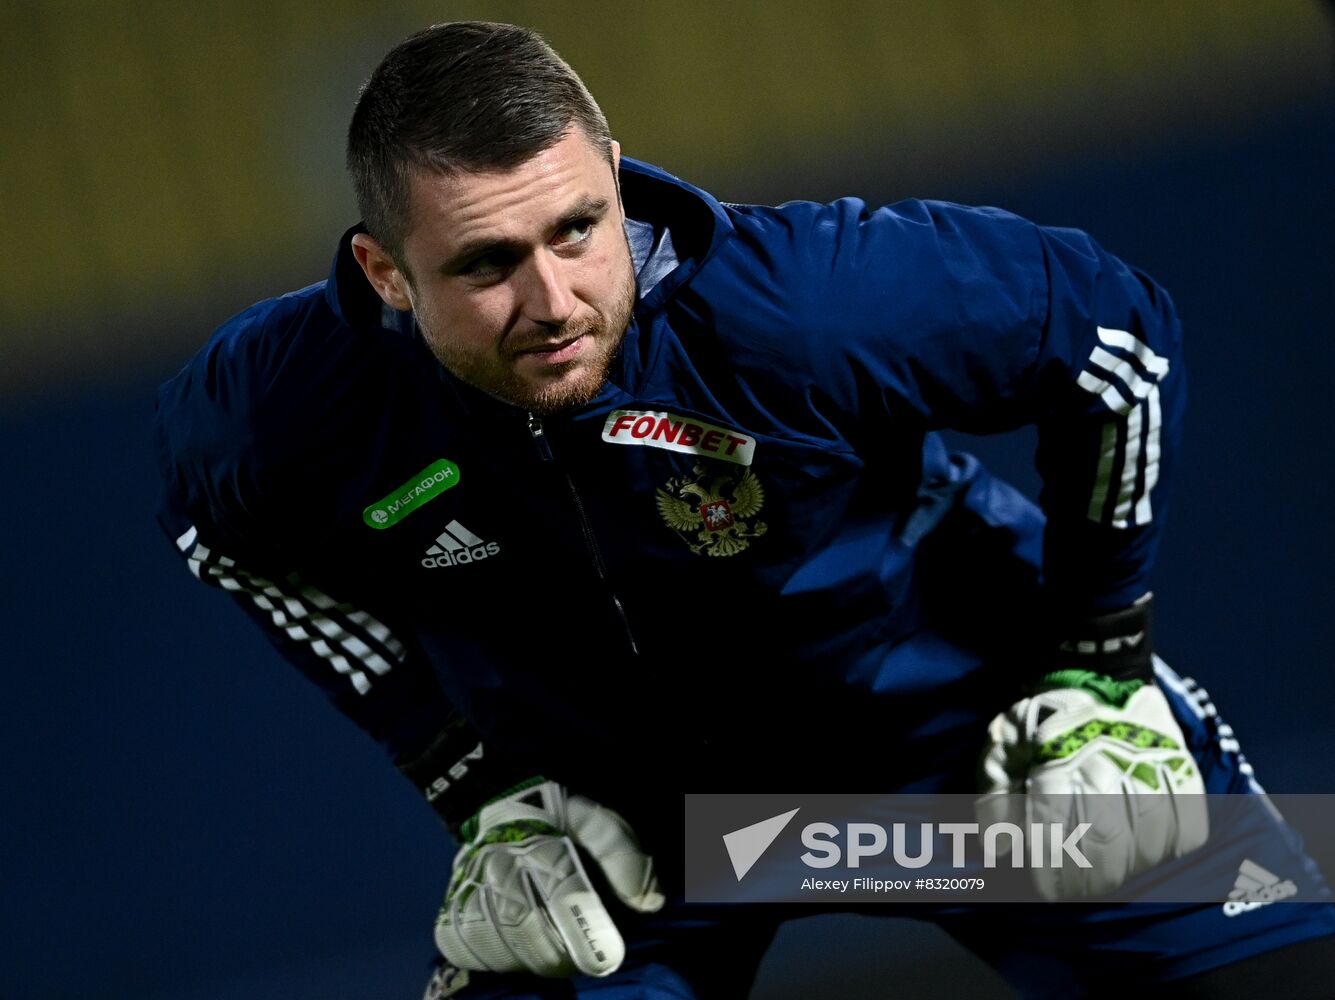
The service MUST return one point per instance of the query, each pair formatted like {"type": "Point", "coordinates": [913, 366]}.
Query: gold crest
{"type": "Point", "coordinates": [709, 512]}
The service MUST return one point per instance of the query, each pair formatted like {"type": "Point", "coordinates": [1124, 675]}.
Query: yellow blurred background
{"type": "Point", "coordinates": [165, 164]}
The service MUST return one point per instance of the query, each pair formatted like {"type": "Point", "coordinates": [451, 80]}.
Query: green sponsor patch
{"type": "Point", "coordinates": [428, 484]}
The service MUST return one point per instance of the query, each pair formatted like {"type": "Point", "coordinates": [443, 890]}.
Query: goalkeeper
{"type": "Point", "coordinates": [578, 489]}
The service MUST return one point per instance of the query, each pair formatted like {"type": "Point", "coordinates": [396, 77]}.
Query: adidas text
{"type": "Point", "coordinates": [461, 558]}
{"type": "Point", "coordinates": [457, 546]}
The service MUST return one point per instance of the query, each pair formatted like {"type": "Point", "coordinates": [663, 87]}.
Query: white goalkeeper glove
{"type": "Point", "coordinates": [1088, 748]}
{"type": "Point", "coordinates": [520, 900]}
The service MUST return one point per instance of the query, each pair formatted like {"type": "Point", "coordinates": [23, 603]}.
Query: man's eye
{"type": "Point", "coordinates": [576, 232]}
{"type": "Point", "coordinates": [484, 267]}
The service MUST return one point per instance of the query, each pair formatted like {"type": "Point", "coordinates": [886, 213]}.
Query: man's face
{"type": "Point", "coordinates": [522, 281]}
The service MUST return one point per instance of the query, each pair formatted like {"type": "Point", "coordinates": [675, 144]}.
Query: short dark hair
{"type": "Point", "coordinates": [470, 95]}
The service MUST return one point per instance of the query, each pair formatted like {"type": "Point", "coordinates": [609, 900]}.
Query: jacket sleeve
{"type": "Point", "coordinates": [932, 315]}
{"type": "Point", "coordinates": [366, 664]}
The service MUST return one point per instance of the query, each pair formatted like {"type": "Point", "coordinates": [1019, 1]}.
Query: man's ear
{"type": "Point", "coordinates": [384, 275]}
{"type": "Point", "coordinates": [616, 176]}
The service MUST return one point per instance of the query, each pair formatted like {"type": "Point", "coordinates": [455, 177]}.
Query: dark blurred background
{"type": "Point", "coordinates": [183, 818]}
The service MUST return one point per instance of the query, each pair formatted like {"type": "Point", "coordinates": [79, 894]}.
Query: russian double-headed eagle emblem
{"type": "Point", "coordinates": [709, 511]}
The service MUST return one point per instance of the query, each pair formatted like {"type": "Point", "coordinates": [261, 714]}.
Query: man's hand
{"type": "Point", "coordinates": [520, 900]}
{"type": "Point", "coordinates": [1087, 748]}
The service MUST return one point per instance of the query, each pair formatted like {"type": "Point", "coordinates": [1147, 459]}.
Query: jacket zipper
{"type": "Point", "coordinates": [590, 540]}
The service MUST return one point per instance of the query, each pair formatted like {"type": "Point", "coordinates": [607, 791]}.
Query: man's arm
{"type": "Point", "coordinates": [368, 669]}
{"type": "Point", "coordinates": [1043, 326]}
{"type": "Point", "coordinates": [923, 316]}
{"type": "Point", "coordinates": [212, 508]}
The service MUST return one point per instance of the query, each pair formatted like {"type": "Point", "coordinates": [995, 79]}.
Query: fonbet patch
{"type": "Point", "coordinates": [659, 429]}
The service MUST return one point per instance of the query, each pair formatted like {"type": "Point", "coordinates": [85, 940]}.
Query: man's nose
{"type": "Point", "coordinates": [547, 293]}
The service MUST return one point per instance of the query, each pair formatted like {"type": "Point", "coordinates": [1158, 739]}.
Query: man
{"type": "Point", "coordinates": [578, 489]}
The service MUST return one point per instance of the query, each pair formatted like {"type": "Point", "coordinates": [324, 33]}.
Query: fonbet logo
{"type": "Point", "coordinates": [673, 432]}
{"type": "Point", "coordinates": [1044, 844]}
{"type": "Point", "coordinates": [457, 546]}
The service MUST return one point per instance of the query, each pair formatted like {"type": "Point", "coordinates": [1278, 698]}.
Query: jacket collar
{"type": "Point", "coordinates": [350, 295]}
{"type": "Point", "coordinates": [698, 221]}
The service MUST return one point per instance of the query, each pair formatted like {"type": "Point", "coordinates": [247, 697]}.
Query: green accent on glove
{"type": "Point", "coordinates": [1106, 689]}
{"type": "Point", "coordinates": [1074, 740]}
{"type": "Point", "coordinates": [1147, 775]}
{"type": "Point", "coordinates": [507, 833]}
{"type": "Point", "coordinates": [1143, 772]}
{"type": "Point", "coordinates": [468, 829]}
{"type": "Point", "coordinates": [514, 832]}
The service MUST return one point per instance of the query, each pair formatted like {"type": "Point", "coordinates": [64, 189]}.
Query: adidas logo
{"type": "Point", "coordinates": [1256, 887]}
{"type": "Point", "coordinates": [457, 546]}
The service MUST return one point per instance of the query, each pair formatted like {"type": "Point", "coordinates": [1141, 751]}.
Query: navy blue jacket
{"type": "Point", "coordinates": [751, 550]}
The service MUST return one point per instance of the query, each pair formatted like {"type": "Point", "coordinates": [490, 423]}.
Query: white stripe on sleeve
{"type": "Point", "coordinates": [1154, 364]}
{"type": "Point", "coordinates": [1126, 495]}
{"type": "Point", "coordinates": [304, 614]}
{"type": "Point", "coordinates": [1133, 400]}
{"type": "Point", "coordinates": [1155, 422]}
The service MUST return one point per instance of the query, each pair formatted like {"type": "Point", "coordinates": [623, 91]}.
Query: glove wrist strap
{"type": "Point", "coordinates": [1115, 644]}
{"type": "Point", "coordinates": [457, 774]}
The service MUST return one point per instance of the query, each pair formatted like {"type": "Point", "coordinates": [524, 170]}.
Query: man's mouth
{"type": "Point", "coordinates": [557, 351]}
